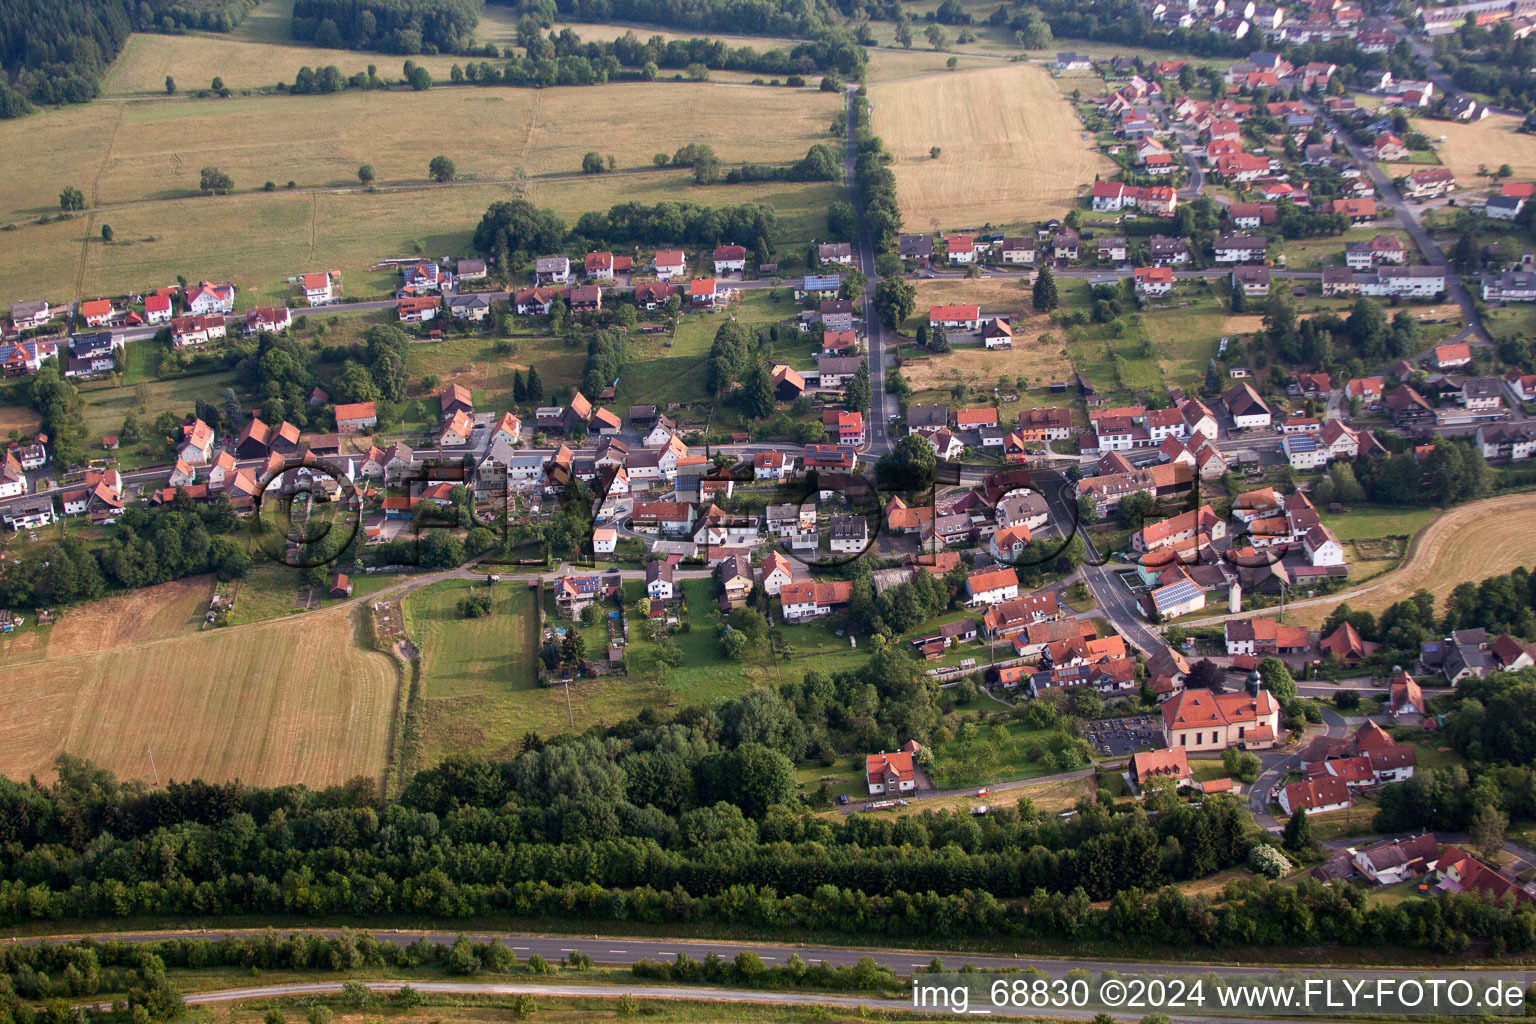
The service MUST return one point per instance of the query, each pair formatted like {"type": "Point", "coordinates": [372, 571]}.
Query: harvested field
{"type": "Point", "coordinates": [154, 613]}
{"type": "Point", "coordinates": [269, 703]}
{"type": "Point", "coordinates": [1012, 148]}
{"type": "Point", "coordinates": [1465, 545]}
{"type": "Point", "coordinates": [19, 417]}
{"type": "Point", "coordinates": [1490, 142]}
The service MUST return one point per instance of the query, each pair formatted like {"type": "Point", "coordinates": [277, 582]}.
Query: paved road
{"type": "Point", "coordinates": [624, 950]}
{"type": "Point", "coordinates": [878, 440]}
{"type": "Point", "coordinates": [1112, 597]}
{"type": "Point", "coordinates": [677, 993]}
{"type": "Point", "coordinates": [1275, 767]}
{"type": "Point", "coordinates": [1388, 195]}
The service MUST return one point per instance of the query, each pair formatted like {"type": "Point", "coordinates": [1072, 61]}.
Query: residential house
{"type": "Point", "coordinates": [471, 307]}
{"type": "Point", "coordinates": [955, 317]}
{"type": "Point", "coordinates": [1153, 282]}
{"type": "Point", "coordinates": [1509, 286]}
{"type": "Point", "coordinates": [356, 417]}
{"type": "Point", "coordinates": [1241, 248]}
{"type": "Point", "coordinates": [417, 309]}
{"type": "Point", "coordinates": [196, 443]}
{"type": "Point", "coordinates": [809, 600]}
{"type": "Point", "coordinates": [892, 774]}
{"type": "Point", "coordinates": [196, 330]}
{"type": "Point", "coordinates": [1391, 861]}
{"type": "Point", "coordinates": [1247, 409]}
{"type": "Point", "coordinates": [535, 301]}
{"type": "Point", "coordinates": [1166, 252]}
{"type": "Point", "coordinates": [1263, 635]}
{"type": "Point", "coordinates": [730, 259]}
{"type": "Point", "coordinates": [1451, 356]}
{"type": "Point", "coordinates": [206, 299]}
{"type": "Point", "coordinates": [1016, 250]}
{"type": "Point", "coordinates": [319, 288]}
{"type": "Point", "coordinates": [30, 314]}
{"type": "Point", "coordinates": [1315, 796]}
{"type": "Point", "coordinates": [1429, 183]}
{"type": "Point", "coordinates": [585, 298]}
{"type": "Point", "coordinates": [991, 586]}
{"type": "Point", "coordinates": [1254, 281]}
{"type": "Point", "coordinates": [1168, 763]}
{"type": "Point", "coordinates": [660, 580]}
{"type": "Point", "coordinates": [670, 263]}
{"type": "Point", "coordinates": [836, 314]}
{"type": "Point", "coordinates": [848, 535]}
{"type": "Point", "coordinates": [998, 333]}
{"type": "Point", "coordinates": [552, 270]}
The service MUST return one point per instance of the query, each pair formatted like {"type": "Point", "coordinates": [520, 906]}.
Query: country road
{"type": "Point", "coordinates": [625, 950]}
{"type": "Point", "coordinates": [680, 993]}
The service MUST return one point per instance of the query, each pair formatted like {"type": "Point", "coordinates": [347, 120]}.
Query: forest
{"type": "Point", "coordinates": [389, 26]}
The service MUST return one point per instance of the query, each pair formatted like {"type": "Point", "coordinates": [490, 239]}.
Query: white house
{"type": "Point", "coordinates": [659, 582]}
{"type": "Point", "coordinates": [991, 586]}
{"type": "Point", "coordinates": [318, 288]}
{"type": "Point", "coordinates": [211, 298]}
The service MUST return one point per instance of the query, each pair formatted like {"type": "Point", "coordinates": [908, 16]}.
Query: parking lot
{"type": "Point", "coordinates": [1123, 736]}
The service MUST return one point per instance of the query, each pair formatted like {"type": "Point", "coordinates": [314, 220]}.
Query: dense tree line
{"type": "Point", "coordinates": [148, 546]}
{"type": "Point", "coordinates": [58, 402]}
{"type": "Point", "coordinates": [389, 26]}
{"type": "Point", "coordinates": [1453, 471]}
{"type": "Point", "coordinates": [55, 51]}
{"type": "Point", "coordinates": [515, 231]}
{"type": "Point", "coordinates": [1490, 60]}
{"type": "Point", "coordinates": [818, 164]}
{"type": "Point", "coordinates": [548, 836]}
{"type": "Point", "coordinates": [832, 50]}
{"type": "Point", "coordinates": [801, 18]}
{"type": "Point", "coordinates": [873, 180]}
{"type": "Point", "coordinates": [191, 15]}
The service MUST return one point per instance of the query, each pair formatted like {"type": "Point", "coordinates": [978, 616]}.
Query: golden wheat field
{"type": "Point", "coordinates": [292, 700]}
{"type": "Point", "coordinates": [1011, 147]}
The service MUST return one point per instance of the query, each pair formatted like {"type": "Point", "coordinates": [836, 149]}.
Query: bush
{"type": "Point", "coordinates": [475, 605]}
{"type": "Point", "coordinates": [1267, 861]}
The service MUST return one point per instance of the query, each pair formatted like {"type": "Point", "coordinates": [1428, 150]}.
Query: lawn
{"type": "Point", "coordinates": [107, 404]}
{"type": "Point", "coordinates": [1186, 338]}
{"type": "Point", "coordinates": [1011, 147]}
{"type": "Point", "coordinates": [655, 374]}
{"type": "Point", "coordinates": [1364, 522]}
{"type": "Point", "coordinates": [155, 149]}
{"type": "Point", "coordinates": [1328, 250]}
{"type": "Point", "coordinates": [494, 656]}
{"type": "Point", "coordinates": [1038, 362]}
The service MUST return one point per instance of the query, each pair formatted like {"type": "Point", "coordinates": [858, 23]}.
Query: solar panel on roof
{"type": "Point", "coordinates": [1176, 593]}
